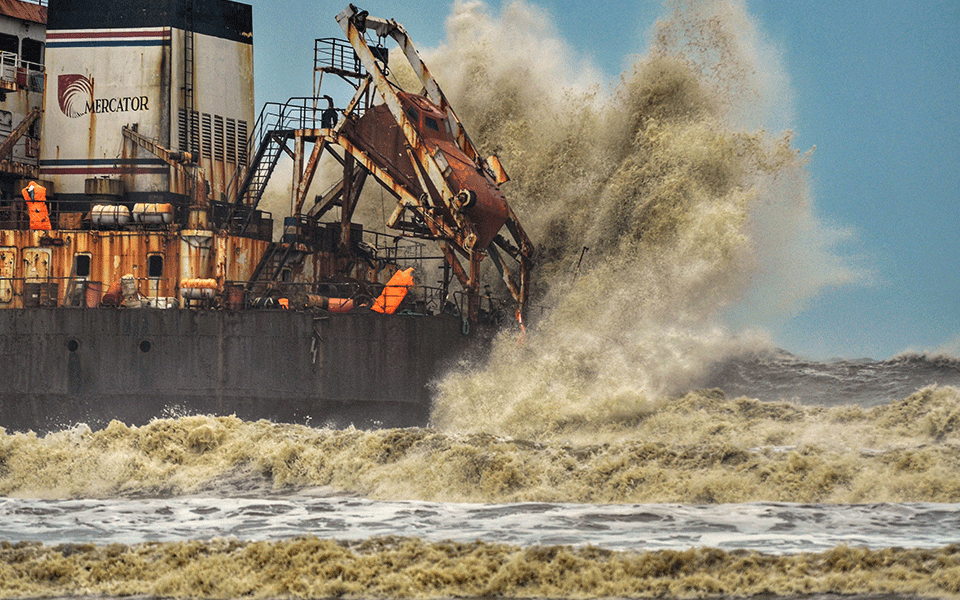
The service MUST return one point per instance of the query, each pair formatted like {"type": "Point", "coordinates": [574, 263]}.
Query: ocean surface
{"type": "Point", "coordinates": [769, 527]}
{"type": "Point", "coordinates": [216, 507]}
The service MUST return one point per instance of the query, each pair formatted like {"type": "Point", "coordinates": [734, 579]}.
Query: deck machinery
{"type": "Point", "coordinates": [412, 144]}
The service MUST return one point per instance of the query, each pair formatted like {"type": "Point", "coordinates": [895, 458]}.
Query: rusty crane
{"type": "Point", "coordinates": [413, 144]}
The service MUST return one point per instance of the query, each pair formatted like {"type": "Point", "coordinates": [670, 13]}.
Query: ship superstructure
{"type": "Point", "coordinates": [181, 71]}
{"type": "Point", "coordinates": [142, 133]}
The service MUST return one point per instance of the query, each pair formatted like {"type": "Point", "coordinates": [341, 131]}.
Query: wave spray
{"type": "Point", "coordinates": [660, 207]}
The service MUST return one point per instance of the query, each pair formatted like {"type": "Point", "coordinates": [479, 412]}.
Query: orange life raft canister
{"type": "Point", "coordinates": [395, 292]}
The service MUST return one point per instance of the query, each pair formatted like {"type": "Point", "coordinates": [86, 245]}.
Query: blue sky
{"type": "Point", "coordinates": [876, 89]}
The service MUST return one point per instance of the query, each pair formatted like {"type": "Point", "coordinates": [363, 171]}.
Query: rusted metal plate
{"type": "Point", "coordinates": [8, 268]}
{"type": "Point", "coordinates": [157, 259]}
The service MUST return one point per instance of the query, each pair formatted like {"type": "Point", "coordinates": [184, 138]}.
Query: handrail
{"type": "Point", "coordinates": [426, 300]}
{"type": "Point", "coordinates": [336, 55]}
{"type": "Point", "coordinates": [18, 73]}
{"type": "Point", "coordinates": [13, 59]}
{"type": "Point", "coordinates": [71, 291]}
{"type": "Point", "coordinates": [296, 113]}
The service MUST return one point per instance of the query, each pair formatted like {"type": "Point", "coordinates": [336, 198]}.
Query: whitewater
{"type": "Point", "coordinates": [642, 438]}
{"type": "Point", "coordinates": [708, 495]}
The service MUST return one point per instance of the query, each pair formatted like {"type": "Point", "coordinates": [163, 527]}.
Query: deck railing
{"type": "Point", "coordinates": [17, 72]}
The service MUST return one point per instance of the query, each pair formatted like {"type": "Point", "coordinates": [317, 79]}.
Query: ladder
{"type": "Point", "coordinates": [191, 126]}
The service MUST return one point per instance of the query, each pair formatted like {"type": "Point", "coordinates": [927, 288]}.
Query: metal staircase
{"type": "Point", "coordinates": [7, 146]}
{"type": "Point", "coordinates": [269, 268]}
{"type": "Point", "coordinates": [276, 125]}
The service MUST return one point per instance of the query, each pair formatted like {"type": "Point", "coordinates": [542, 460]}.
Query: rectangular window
{"type": "Point", "coordinates": [9, 43]}
{"type": "Point", "coordinates": [32, 52]}
{"type": "Point", "coordinates": [81, 265]}
{"type": "Point", "coordinates": [155, 265]}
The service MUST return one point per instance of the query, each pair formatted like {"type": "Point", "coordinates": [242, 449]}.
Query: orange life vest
{"type": "Point", "coordinates": [35, 196]}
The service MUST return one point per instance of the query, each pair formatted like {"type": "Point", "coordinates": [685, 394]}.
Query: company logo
{"type": "Point", "coordinates": [75, 95]}
{"type": "Point", "coordinates": [74, 92]}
